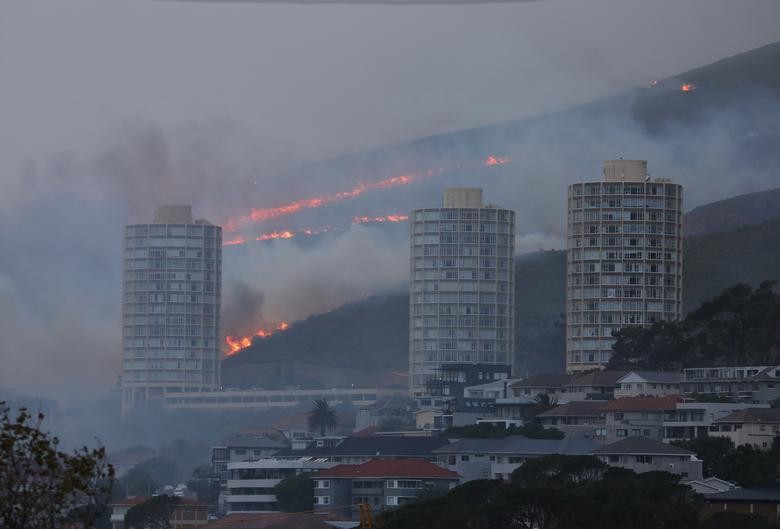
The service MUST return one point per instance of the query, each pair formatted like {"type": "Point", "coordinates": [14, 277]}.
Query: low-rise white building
{"type": "Point", "coordinates": [648, 384]}
{"type": "Point", "coordinates": [250, 483]}
{"type": "Point", "coordinates": [757, 427]}
{"type": "Point", "coordinates": [642, 454]}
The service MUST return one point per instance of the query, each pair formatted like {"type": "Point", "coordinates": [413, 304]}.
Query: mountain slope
{"type": "Point", "coordinates": [373, 333]}
{"type": "Point", "coordinates": [733, 213]}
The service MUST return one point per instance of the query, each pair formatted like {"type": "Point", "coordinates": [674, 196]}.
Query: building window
{"type": "Point", "coordinates": [620, 432]}
{"type": "Point", "coordinates": [323, 483]}
{"type": "Point", "coordinates": [321, 500]}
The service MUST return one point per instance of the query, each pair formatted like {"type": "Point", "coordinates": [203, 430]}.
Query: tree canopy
{"type": "Point", "coordinates": [295, 494]}
{"type": "Point", "coordinates": [560, 492]}
{"type": "Point", "coordinates": [42, 487]}
{"type": "Point", "coordinates": [323, 416]}
{"type": "Point", "coordinates": [738, 327]}
{"type": "Point", "coordinates": [154, 513]}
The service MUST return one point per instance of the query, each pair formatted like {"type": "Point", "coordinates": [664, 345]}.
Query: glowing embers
{"type": "Point", "coordinates": [236, 344]}
{"type": "Point", "coordinates": [688, 87]}
{"type": "Point", "coordinates": [364, 219]}
{"type": "Point", "coordinates": [496, 160]}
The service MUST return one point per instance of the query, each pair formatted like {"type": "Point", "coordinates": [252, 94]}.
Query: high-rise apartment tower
{"type": "Point", "coordinates": [170, 307]}
{"type": "Point", "coordinates": [624, 259]}
{"type": "Point", "coordinates": [462, 284]}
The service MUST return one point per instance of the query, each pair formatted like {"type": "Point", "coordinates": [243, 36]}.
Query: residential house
{"type": "Point", "coordinates": [362, 449]}
{"type": "Point", "coordinates": [710, 485]}
{"type": "Point", "coordinates": [250, 483]}
{"type": "Point", "coordinates": [648, 384]}
{"type": "Point", "coordinates": [636, 417]}
{"type": "Point", "coordinates": [396, 408]}
{"type": "Point", "coordinates": [278, 520]}
{"type": "Point", "coordinates": [756, 384]}
{"type": "Point", "coordinates": [576, 418]}
{"type": "Point", "coordinates": [451, 379]}
{"type": "Point", "coordinates": [498, 458]}
{"type": "Point", "coordinates": [595, 385]}
{"type": "Point", "coordinates": [242, 447]}
{"type": "Point", "coordinates": [381, 484]}
{"type": "Point", "coordinates": [753, 500]}
{"type": "Point", "coordinates": [757, 427]}
{"type": "Point", "coordinates": [690, 420]}
{"type": "Point", "coordinates": [187, 515]}
{"type": "Point", "coordinates": [550, 385]}
{"type": "Point", "coordinates": [642, 454]}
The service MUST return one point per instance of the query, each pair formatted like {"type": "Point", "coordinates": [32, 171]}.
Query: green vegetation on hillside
{"type": "Point", "coordinates": [738, 327]}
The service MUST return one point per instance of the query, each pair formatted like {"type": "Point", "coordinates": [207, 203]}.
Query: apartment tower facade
{"type": "Point", "coordinates": [624, 258]}
{"type": "Point", "coordinates": [171, 306]}
{"type": "Point", "coordinates": [461, 285]}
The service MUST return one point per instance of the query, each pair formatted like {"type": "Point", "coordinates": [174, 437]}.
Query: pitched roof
{"type": "Point", "coordinates": [373, 446]}
{"type": "Point", "coordinates": [668, 402]}
{"type": "Point", "coordinates": [389, 468]}
{"type": "Point", "coordinates": [577, 408]}
{"type": "Point", "coordinates": [597, 378]}
{"type": "Point", "coordinates": [769, 493]}
{"type": "Point", "coordinates": [277, 520]}
{"type": "Point", "coordinates": [543, 381]}
{"type": "Point", "coordinates": [752, 415]}
{"type": "Point", "coordinates": [642, 446]}
{"type": "Point", "coordinates": [656, 377]}
{"type": "Point", "coordinates": [252, 441]}
{"type": "Point", "coordinates": [519, 445]}
{"type": "Point", "coordinates": [137, 500]}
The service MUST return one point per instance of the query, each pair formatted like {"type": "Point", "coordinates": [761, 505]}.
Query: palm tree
{"type": "Point", "coordinates": [323, 416]}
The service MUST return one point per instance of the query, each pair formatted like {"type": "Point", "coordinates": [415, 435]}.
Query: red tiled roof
{"type": "Point", "coordinates": [278, 520]}
{"type": "Point", "coordinates": [668, 402]}
{"type": "Point", "coordinates": [389, 468]}
{"type": "Point", "coordinates": [137, 500]}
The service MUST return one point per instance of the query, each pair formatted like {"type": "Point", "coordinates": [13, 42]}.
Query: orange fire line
{"type": "Point", "coordinates": [263, 214]}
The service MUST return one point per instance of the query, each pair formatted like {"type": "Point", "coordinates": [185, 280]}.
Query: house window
{"type": "Point", "coordinates": [614, 459]}
{"type": "Point", "coordinates": [321, 500]}
{"type": "Point", "coordinates": [323, 483]}
{"type": "Point", "coordinates": [600, 432]}
{"type": "Point", "coordinates": [464, 458]}
{"type": "Point", "coordinates": [644, 459]}
{"type": "Point", "coordinates": [618, 416]}
{"type": "Point", "coordinates": [621, 432]}
{"type": "Point", "coordinates": [391, 500]}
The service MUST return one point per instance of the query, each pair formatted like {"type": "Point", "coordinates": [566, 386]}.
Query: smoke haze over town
{"type": "Point", "coordinates": [113, 108]}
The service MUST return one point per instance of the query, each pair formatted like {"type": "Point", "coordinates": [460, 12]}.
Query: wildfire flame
{"type": "Point", "coordinates": [238, 344]}
{"type": "Point", "coordinates": [263, 214]}
{"type": "Point", "coordinates": [688, 87]}
{"type": "Point", "coordinates": [388, 218]}
{"type": "Point", "coordinates": [275, 235]}
{"type": "Point", "coordinates": [234, 241]}
{"type": "Point", "coordinates": [496, 160]}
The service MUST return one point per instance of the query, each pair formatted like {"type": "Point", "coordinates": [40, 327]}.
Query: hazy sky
{"type": "Point", "coordinates": [108, 106]}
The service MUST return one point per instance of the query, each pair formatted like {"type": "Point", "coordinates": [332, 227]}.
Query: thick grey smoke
{"type": "Point", "coordinates": [228, 107]}
{"type": "Point", "coordinates": [242, 309]}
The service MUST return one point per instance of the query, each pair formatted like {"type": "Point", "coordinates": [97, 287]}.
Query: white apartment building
{"type": "Point", "coordinates": [624, 259]}
{"type": "Point", "coordinates": [171, 305]}
{"type": "Point", "coordinates": [461, 286]}
{"type": "Point", "coordinates": [250, 483]}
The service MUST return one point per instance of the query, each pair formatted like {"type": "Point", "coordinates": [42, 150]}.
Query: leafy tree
{"type": "Point", "coordinates": [42, 487]}
{"type": "Point", "coordinates": [323, 416]}
{"type": "Point", "coordinates": [748, 466]}
{"type": "Point", "coordinates": [736, 520]}
{"type": "Point", "coordinates": [296, 493]}
{"type": "Point", "coordinates": [154, 513]}
{"type": "Point", "coordinates": [204, 484]}
{"type": "Point", "coordinates": [544, 402]}
{"type": "Point", "coordinates": [622, 499]}
{"type": "Point", "coordinates": [711, 450]}
{"type": "Point", "coordinates": [738, 327]}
